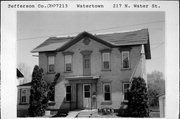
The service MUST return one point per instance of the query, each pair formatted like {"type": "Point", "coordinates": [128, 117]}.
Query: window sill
{"type": "Point", "coordinates": [106, 103]}
{"type": "Point", "coordinates": [23, 104]}
{"type": "Point", "coordinates": [124, 69]}
{"type": "Point", "coordinates": [51, 72]}
{"type": "Point", "coordinates": [106, 70]}
{"type": "Point", "coordinates": [68, 71]}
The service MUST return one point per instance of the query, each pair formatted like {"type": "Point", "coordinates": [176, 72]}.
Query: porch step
{"type": "Point", "coordinates": [72, 114]}
{"type": "Point", "coordinates": [86, 113]}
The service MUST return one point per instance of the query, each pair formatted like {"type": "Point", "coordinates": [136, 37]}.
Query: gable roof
{"type": "Point", "coordinates": [138, 37]}
{"type": "Point", "coordinates": [25, 84]}
{"type": "Point", "coordinates": [19, 74]}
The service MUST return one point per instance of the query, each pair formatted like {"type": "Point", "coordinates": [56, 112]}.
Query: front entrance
{"type": "Point", "coordinates": [87, 96]}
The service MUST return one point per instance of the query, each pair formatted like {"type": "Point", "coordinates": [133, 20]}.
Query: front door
{"type": "Point", "coordinates": [86, 65]}
{"type": "Point", "coordinates": [87, 96]}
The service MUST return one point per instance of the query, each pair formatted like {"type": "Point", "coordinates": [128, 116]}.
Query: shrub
{"type": "Point", "coordinates": [40, 93]}
{"type": "Point", "coordinates": [138, 99]}
{"type": "Point", "coordinates": [38, 96]}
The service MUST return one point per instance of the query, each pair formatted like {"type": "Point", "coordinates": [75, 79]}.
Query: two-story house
{"type": "Point", "coordinates": [96, 70]}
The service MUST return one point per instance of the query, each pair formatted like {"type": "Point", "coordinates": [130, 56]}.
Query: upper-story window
{"type": "Point", "coordinates": [51, 64]}
{"type": "Point", "coordinates": [68, 63]}
{"type": "Point", "coordinates": [106, 60]}
{"type": "Point", "coordinates": [125, 60]}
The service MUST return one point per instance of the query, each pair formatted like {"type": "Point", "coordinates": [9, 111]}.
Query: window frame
{"type": "Point", "coordinates": [122, 65]}
{"type": "Point", "coordinates": [109, 84]}
{"type": "Point", "coordinates": [107, 50]}
{"type": "Point", "coordinates": [23, 95]}
{"type": "Point", "coordinates": [124, 90]}
{"type": "Point", "coordinates": [65, 68]}
{"type": "Point", "coordinates": [68, 93]}
{"type": "Point", "coordinates": [103, 60]}
{"type": "Point", "coordinates": [53, 96]}
{"type": "Point", "coordinates": [50, 64]}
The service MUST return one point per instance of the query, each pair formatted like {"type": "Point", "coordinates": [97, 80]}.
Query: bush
{"type": "Point", "coordinates": [138, 99]}
{"type": "Point", "coordinates": [41, 92]}
{"type": "Point", "coordinates": [38, 101]}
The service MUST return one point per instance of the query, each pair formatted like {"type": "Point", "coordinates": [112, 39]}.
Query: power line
{"type": "Point", "coordinates": [95, 30]}
{"type": "Point", "coordinates": [158, 46]}
{"type": "Point", "coordinates": [129, 25]}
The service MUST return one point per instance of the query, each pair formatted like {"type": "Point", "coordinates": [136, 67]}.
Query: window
{"type": "Point", "coordinates": [107, 92]}
{"type": "Point", "coordinates": [106, 60]}
{"type": "Point", "coordinates": [23, 94]}
{"type": "Point", "coordinates": [125, 60]}
{"type": "Point", "coordinates": [125, 89]}
{"type": "Point", "coordinates": [51, 64]}
{"type": "Point", "coordinates": [87, 91]}
{"type": "Point", "coordinates": [68, 63]}
{"type": "Point", "coordinates": [68, 93]}
{"type": "Point", "coordinates": [52, 96]}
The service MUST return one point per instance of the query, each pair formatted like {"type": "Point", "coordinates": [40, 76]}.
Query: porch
{"type": "Point", "coordinates": [83, 92]}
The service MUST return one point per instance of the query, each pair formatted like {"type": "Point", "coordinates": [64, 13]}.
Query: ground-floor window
{"type": "Point", "coordinates": [125, 89]}
{"type": "Point", "coordinates": [107, 91]}
{"type": "Point", "coordinates": [68, 93]}
{"type": "Point", "coordinates": [52, 97]}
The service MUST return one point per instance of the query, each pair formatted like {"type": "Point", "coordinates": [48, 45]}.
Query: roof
{"type": "Point", "coordinates": [19, 74]}
{"type": "Point", "coordinates": [137, 37]}
{"type": "Point", "coordinates": [25, 84]}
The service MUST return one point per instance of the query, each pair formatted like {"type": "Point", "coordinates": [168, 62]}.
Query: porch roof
{"type": "Point", "coordinates": [82, 77]}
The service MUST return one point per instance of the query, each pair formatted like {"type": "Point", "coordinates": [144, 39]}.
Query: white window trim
{"type": "Point", "coordinates": [103, 61]}
{"type": "Point", "coordinates": [128, 59]}
{"type": "Point", "coordinates": [66, 93]}
{"type": "Point", "coordinates": [124, 90]}
{"type": "Point", "coordinates": [104, 92]}
{"type": "Point", "coordinates": [71, 62]}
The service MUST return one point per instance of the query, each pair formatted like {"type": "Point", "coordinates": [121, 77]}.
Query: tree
{"type": "Point", "coordinates": [40, 92]}
{"type": "Point", "coordinates": [138, 99]}
{"type": "Point", "coordinates": [156, 85]}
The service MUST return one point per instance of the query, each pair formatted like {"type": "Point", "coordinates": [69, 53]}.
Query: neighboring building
{"type": "Point", "coordinates": [23, 99]}
{"type": "Point", "coordinates": [23, 96]}
{"type": "Point", "coordinates": [96, 70]}
{"type": "Point", "coordinates": [20, 77]}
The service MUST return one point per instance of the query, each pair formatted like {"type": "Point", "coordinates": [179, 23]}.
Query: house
{"type": "Point", "coordinates": [96, 70]}
{"type": "Point", "coordinates": [23, 96]}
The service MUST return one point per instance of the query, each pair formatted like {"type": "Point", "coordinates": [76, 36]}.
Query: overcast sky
{"type": "Point", "coordinates": [35, 27]}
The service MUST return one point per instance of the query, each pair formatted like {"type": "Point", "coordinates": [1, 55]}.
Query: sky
{"type": "Point", "coordinates": [34, 27]}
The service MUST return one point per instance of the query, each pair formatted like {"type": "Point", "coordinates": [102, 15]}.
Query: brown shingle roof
{"type": "Point", "coordinates": [111, 40]}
